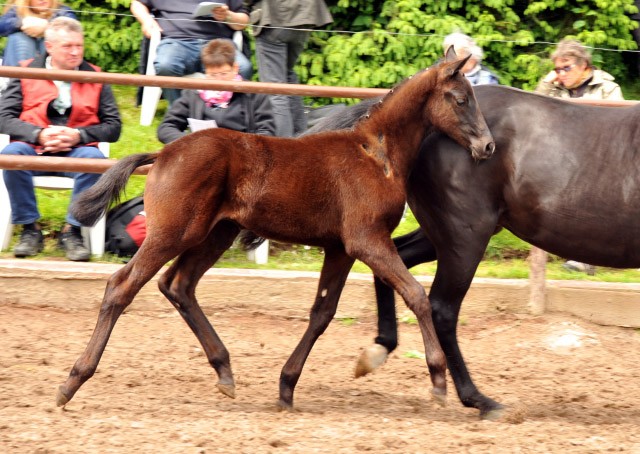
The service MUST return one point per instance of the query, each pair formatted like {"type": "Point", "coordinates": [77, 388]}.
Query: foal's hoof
{"type": "Point", "coordinates": [61, 399]}
{"type": "Point", "coordinates": [439, 397]}
{"type": "Point", "coordinates": [227, 390]}
{"type": "Point", "coordinates": [370, 359]}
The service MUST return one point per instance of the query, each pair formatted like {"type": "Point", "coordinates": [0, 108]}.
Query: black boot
{"type": "Point", "coordinates": [30, 241]}
{"type": "Point", "coordinates": [73, 244]}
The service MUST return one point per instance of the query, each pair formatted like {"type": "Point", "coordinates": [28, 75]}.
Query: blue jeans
{"type": "Point", "coordinates": [21, 46]}
{"type": "Point", "coordinates": [19, 183]}
{"type": "Point", "coordinates": [277, 51]}
{"type": "Point", "coordinates": [178, 57]}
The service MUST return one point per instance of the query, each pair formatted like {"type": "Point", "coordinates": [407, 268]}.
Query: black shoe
{"type": "Point", "coordinates": [73, 244]}
{"type": "Point", "coordinates": [30, 243]}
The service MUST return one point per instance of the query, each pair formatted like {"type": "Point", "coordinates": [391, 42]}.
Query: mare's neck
{"type": "Point", "coordinates": [399, 121]}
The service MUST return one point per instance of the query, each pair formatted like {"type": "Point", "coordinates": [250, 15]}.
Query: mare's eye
{"type": "Point", "coordinates": [461, 101]}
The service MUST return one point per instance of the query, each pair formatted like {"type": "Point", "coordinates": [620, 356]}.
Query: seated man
{"type": "Point", "coordinates": [57, 119]}
{"type": "Point", "coordinates": [184, 36]}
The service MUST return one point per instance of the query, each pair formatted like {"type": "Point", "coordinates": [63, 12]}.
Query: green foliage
{"type": "Point", "coordinates": [397, 38]}
{"type": "Point", "coordinates": [112, 41]}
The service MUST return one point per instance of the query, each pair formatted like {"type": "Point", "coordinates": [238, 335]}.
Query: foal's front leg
{"type": "Point", "coordinates": [335, 270]}
{"type": "Point", "coordinates": [414, 248]}
{"type": "Point", "coordinates": [380, 254]}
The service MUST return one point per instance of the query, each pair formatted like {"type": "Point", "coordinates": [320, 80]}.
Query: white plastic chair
{"type": "Point", "coordinates": [93, 236]}
{"type": "Point", "coordinates": [151, 95]}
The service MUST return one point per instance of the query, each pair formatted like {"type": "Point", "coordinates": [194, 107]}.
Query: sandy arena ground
{"type": "Point", "coordinates": [571, 387]}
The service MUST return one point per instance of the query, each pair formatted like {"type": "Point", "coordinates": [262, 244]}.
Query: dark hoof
{"type": "Point", "coordinates": [493, 415]}
{"type": "Point", "coordinates": [370, 359]}
{"type": "Point", "coordinates": [61, 399]}
{"type": "Point", "coordinates": [283, 406]}
{"type": "Point", "coordinates": [227, 390]}
{"type": "Point", "coordinates": [440, 397]}
{"type": "Point", "coordinates": [515, 413]}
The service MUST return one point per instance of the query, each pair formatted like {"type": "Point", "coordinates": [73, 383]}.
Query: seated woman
{"type": "Point", "coordinates": [24, 21]}
{"type": "Point", "coordinates": [245, 112]}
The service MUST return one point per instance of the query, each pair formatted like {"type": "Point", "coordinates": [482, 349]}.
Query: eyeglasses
{"type": "Point", "coordinates": [222, 74]}
{"type": "Point", "coordinates": [564, 69]}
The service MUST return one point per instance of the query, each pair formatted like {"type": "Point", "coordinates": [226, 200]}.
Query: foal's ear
{"type": "Point", "coordinates": [450, 54]}
{"type": "Point", "coordinates": [453, 66]}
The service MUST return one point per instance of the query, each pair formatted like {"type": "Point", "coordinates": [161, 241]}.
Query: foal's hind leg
{"type": "Point", "coordinates": [379, 253]}
{"type": "Point", "coordinates": [334, 274]}
{"type": "Point", "coordinates": [122, 287]}
{"type": "Point", "coordinates": [414, 248]}
{"type": "Point", "coordinates": [179, 283]}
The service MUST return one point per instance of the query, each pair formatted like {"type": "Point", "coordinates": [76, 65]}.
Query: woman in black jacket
{"type": "Point", "coordinates": [245, 112]}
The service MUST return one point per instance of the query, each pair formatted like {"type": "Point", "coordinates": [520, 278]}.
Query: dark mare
{"type": "Point", "coordinates": [564, 177]}
{"type": "Point", "coordinates": [341, 190]}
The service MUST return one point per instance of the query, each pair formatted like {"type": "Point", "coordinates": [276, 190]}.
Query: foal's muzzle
{"type": "Point", "coordinates": [483, 148]}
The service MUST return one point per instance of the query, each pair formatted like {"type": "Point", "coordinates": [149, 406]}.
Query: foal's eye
{"type": "Point", "coordinates": [461, 101]}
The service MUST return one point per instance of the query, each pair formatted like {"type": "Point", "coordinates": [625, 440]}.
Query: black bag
{"type": "Point", "coordinates": [126, 227]}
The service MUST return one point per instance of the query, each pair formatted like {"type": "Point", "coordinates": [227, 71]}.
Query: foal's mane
{"type": "Point", "coordinates": [385, 99]}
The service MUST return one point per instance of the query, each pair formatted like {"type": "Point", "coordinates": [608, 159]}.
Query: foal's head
{"type": "Point", "coordinates": [453, 110]}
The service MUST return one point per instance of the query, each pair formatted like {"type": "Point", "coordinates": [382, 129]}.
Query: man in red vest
{"type": "Point", "coordinates": [54, 118]}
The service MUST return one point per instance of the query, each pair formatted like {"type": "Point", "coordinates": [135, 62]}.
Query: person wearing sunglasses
{"type": "Point", "coordinates": [244, 112]}
{"type": "Point", "coordinates": [574, 76]}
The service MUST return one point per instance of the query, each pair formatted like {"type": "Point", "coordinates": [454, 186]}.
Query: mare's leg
{"type": "Point", "coordinates": [414, 248]}
{"type": "Point", "coordinates": [122, 287]}
{"type": "Point", "coordinates": [452, 281]}
{"type": "Point", "coordinates": [179, 283]}
{"type": "Point", "coordinates": [380, 254]}
{"type": "Point", "coordinates": [335, 270]}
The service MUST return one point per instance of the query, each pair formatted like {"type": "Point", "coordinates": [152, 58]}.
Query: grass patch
{"type": "Point", "coordinates": [347, 321]}
{"type": "Point", "coordinates": [413, 354]}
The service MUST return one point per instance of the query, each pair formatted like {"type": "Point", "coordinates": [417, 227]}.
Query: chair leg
{"type": "Point", "coordinates": [261, 254]}
{"type": "Point", "coordinates": [96, 237]}
{"type": "Point", "coordinates": [6, 227]}
{"type": "Point", "coordinates": [150, 98]}
{"type": "Point", "coordinates": [150, 95]}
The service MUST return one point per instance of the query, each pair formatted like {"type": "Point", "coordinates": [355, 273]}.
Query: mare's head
{"type": "Point", "coordinates": [453, 110]}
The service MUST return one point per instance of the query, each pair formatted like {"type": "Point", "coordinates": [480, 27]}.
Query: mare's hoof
{"type": "Point", "coordinates": [492, 415]}
{"type": "Point", "coordinates": [514, 413]}
{"type": "Point", "coordinates": [439, 397]}
{"type": "Point", "coordinates": [61, 399]}
{"type": "Point", "coordinates": [370, 359]}
{"type": "Point", "coordinates": [227, 390]}
{"type": "Point", "coordinates": [283, 406]}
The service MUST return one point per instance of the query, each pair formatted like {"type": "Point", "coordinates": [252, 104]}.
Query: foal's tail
{"type": "Point", "coordinates": [93, 202]}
